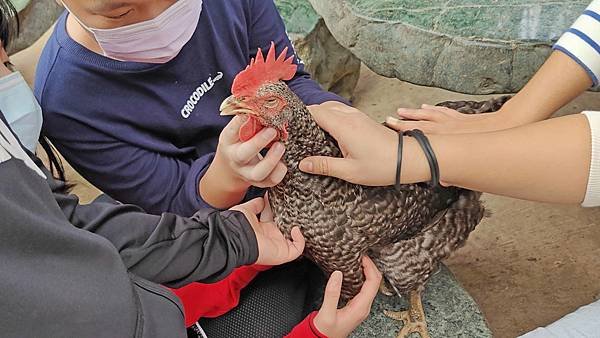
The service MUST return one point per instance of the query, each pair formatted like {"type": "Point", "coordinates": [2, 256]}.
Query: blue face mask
{"type": "Point", "coordinates": [21, 109]}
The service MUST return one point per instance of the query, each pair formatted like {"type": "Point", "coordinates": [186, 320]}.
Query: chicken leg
{"type": "Point", "coordinates": [385, 289]}
{"type": "Point", "coordinates": [413, 318]}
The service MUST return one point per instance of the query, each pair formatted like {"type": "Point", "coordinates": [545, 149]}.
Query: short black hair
{"type": "Point", "coordinates": [9, 22]}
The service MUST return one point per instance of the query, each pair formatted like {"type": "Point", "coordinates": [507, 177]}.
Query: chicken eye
{"type": "Point", "coordinates": [272, 103]}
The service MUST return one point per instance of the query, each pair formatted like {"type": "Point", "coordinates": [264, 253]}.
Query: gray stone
{"type": "Point", "coordinates": [36, 18]}
{"type": "Point", "coordinates": [449, 309]}
{"type": "Point", "coordinates": [330, 64]}
{"type": "Point", "coordinates": [469, 46]}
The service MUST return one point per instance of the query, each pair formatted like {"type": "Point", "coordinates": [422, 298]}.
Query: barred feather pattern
{"type": "Point", "coordinates": [409, 263]}
{"type": "Point", "coordinates": [405, 232]}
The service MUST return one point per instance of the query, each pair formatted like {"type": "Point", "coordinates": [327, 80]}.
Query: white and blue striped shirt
{"type": "Point", "coordinates": [582, 41]}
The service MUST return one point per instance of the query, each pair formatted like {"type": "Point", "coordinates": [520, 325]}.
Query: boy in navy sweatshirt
{"type": "Point", "coordinates": [147, 133]}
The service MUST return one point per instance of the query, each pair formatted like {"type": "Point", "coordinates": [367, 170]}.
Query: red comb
{"type": "Point", "coordinates": [263, 70]}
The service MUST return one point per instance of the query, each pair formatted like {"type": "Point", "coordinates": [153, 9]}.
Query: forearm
{"type": "Point", "coordinates": [558, 82]}
{"type": "Point", "coordinates": [547, 161]}
{"type": "Point", "coordinates": [572, 68]}
{"type": "Point", "coordinates": [167, 249]}
{"type": "Point", "coordinates": [156, 182]}
{"type": "Point", "coordinates": [220, 188]}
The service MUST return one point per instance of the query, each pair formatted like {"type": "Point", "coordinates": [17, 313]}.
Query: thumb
{"type": "Point", "coordinates": [231, 132]}
{"type": "Point", "coordinates": [326, 166]}
{"type": "Point", "coordinates": [254, 206]}
{"type": "Point", "coordinates": [298, 240]}
{"type": "Point", "coordinates": [266, 214]}
{"type": "Point", "coordinates": [327, 119]}
{"type": "Point", "coordinates": [332, 295]}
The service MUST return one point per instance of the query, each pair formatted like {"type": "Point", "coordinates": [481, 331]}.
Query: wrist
{"type": "Point", "coordinates": [220, 187]}
{"type": "Point", "coordinates": [415, 167]}
{"type": "Point", "coordinates": [429, 154]}
{"type": "Point", "coordinates": [229, 179]}
{"type": "Point", "coordinates": [314, 325]}
{"type": "Point", "coordinates": [392, 146]}
{"type": "Point", "coordinates": [512, 114]}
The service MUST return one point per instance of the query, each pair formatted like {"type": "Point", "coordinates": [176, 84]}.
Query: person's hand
{"type": "Point", "coordinates": [340, 323]}
{"type": "Point", "coordinates": [242, 160]}
{"type": "Point", "coordinates": [442, 120]}
{"type": "Point", "coordinates": [369, 148]}
{"type": "Point", "coordinates": [273, 247]}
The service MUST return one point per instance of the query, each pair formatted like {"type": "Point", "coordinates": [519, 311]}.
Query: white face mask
{"type": "Point", "coordinates": [21, 109]}
{"type": "Point", "coordinates": [157, 40]}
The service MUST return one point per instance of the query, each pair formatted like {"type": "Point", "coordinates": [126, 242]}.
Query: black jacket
{"type": "Point", "coordinates": [72, 270]}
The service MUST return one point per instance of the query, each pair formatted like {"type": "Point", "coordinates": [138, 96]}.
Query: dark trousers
{"type": "Point", "coordinates": [275, 302]}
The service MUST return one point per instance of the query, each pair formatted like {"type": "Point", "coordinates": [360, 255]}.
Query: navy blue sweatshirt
{"type": "Point", "coordinates": [143, 133]}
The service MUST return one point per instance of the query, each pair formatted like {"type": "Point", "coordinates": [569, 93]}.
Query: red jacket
{"type": "Point", "coordinates": [213, 300]}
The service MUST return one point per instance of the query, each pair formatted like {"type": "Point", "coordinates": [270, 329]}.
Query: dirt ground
{"type": "Point", "coordinates": [527, 265]}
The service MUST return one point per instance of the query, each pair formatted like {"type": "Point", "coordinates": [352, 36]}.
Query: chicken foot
{"type": "Point", "coordinates": [413, 318]}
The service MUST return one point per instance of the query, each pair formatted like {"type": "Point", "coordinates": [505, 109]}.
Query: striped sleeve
{"type": "Point", "coordinates": [582, 41]}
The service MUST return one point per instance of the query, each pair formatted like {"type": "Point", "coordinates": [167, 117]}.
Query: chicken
{"type": "Point", "coordinates": [406, 232]}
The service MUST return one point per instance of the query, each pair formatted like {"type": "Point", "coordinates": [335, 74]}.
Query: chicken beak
{"type": "Point", "coordinates": [234, 106]}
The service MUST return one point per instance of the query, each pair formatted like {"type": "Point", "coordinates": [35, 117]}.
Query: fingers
{"type": "Point", "coordinates": [267, 214]}
{"type": "Point", "coordinates": [254, 206]}
{"type": "Point", "coordinates": [439, 109]}
{"type": "Point", "coordinates": [278, 174]}
{"type": "Point", "coordinates": [267, 165]}
{"type": "Point", "coordinates": [273, 179]}
{"type": "Point", "coordinates": [327, 119]}
{"type": "Point", "coordinates": [402, 125]}
{"type": "Point", "coordinates": [372, 274]}
{"type": "Point", "coordinates": [298, 243]}
{"type": "Point", "coordinates": [247, 151]}
{"type": "Point", "coordinates": [418, 114]}
{"type": "Point", "coordinates": [231, 133]}
{"type": "Point", "coordinates": [326, 166]}
{"type": "Point", "coordinates": [274, 248]}
{"type": "Point", "coordinates": [362, 302]}
{"type": "Point", "coordinates": [332, 295]}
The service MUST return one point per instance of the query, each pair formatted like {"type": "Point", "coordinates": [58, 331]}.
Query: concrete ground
{"type": "Point", "coordinates": [527, 265]}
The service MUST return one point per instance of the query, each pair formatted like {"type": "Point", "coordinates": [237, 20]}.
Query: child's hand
{"type": "Point", "coordinates": [370, 149]}
{"type": "Point", "coordinates": [273, 247]}
{"type": "Point", "coordinates": [243, 159]}
{"type": "Point", "coordinates": [238, 165]}
{"type": "Point", "coordinates": [340, 323]}
{"type": "Point", "coordinates": [442, 120]}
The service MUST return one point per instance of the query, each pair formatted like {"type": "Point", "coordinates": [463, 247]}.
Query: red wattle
{"type": "Point", "coordinates": [250, 128]}
{"type": "Point", "coordinates": [283, 135]}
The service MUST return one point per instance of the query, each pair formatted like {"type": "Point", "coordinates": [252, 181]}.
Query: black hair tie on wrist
{"type": "Point", "coordinates": [429, 154]}
{"type": "Point", "coordinates": [399, 161]}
